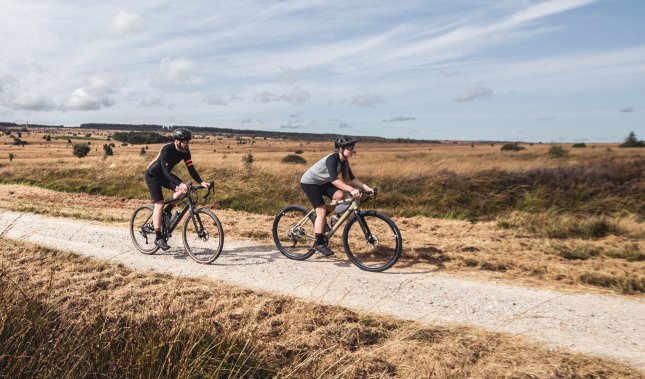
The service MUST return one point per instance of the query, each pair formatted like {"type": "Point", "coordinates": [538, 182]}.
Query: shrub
{"type": "Point", "coordinates": [299, 151]}
{"type": "Point", "coordinates": [248, 158]}
{"type": "Point", "coordinates": [294, 159]}
{"type": "Point", "coordinates": [81, 149]}
{"type": "Point", "coordinates": [142, 151]}
{"type": "Point", "coordinates": [557, 152]}
{"type": "Point", "coordinates": [107, 150]}
{"type": "Point", "coordinates": [11, 156]}
{"type": "Point", "coordinates": [632, 141]}
{"type": "Point", "coordinates": [581, 144]}
{"type": "Point", "coordinates": [512, 147]}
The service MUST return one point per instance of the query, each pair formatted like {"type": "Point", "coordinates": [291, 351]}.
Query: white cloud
{"type": "Point", "coordinates": [153, 101]}
{"type": "Point", "coordinates": [478, 91]}
{"type": "Point", "coordinates": [14, 95]}
{"type": "Point", "coordinates": [176, 71]}
{"type": "Point", "coordinates": [369, 100]}
{"type": "Point", "coordinates": [123, 23]}
{"type": "Point", "coordinates": [94, 94]}
{"type": "Point", "coordinates": [296, 96]}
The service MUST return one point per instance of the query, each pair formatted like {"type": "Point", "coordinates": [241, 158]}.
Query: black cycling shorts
{"type": "Point", "coordinates": [315, 192]}
{"type": "Point", "coordinates": [155, 185]}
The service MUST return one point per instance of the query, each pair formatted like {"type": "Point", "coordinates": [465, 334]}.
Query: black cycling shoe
{"type": "Point", "coordinates": [324, 250]}
{"type": "Point", "coordinates": [162, 244]}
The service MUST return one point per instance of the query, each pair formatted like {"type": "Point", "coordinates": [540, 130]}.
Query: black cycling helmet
{"type": "Point", "coordinates": [182, 134]}
{"type": "Point", "coordinates": [343, 141]}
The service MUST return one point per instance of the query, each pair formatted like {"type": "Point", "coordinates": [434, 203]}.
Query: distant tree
{"type": "Point", "coordinates": [142, 151]}
{"type": "Point", "coordinates": [81, 149]}
{"type": "Point", "coordinates": [107, 150]}
{"type": "Point", "coordinates": [632, 141]}
{"type": "Point", "coordinates": [48, 138]}
{"type": "Point", "coordinates": [579, 144]}
{"type": "Point", "coordinates": [11, 156]}
{"type": "Point", "coordinates": [299, 151]}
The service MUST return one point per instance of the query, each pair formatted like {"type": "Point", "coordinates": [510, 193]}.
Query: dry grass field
{"type": "Point", "coordinates": [62, 315]}
{"type": "Point", "coordinates": [576, 223]}
{"type": "Point", "coordinates": [520, 216]}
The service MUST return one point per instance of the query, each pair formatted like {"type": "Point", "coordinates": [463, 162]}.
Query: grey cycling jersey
{"type": "Point", "coordinates": [325, 170]}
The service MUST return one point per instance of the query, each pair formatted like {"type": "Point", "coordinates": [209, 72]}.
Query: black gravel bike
{"type": "Point", "coordinates": [371, 240]}
{"type": "Point", "coordinates": [201, 233]}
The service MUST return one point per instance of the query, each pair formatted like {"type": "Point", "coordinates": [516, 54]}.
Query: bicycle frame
{"type": "Point", "coordinates": [189, 207]}
{"type": "Point", "coordinates": [353, 209]}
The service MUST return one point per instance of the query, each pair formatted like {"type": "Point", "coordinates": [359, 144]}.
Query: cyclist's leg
{"type": "Point", "coordinates": [315, 193]}
{"type": "Point", "coordinates": [154, 186]}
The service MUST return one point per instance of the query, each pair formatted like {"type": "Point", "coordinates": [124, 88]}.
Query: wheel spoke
{"type": "Point", "coordinates": [203, 236]}
{"type": "Point", "coordinates": [378, 250]}
{"type": "Point", "coordinates": [292, 237]}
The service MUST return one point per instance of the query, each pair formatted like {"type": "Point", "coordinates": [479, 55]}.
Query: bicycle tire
{"type": "Point", "coordinates": [378, 254]}
{"type": "Point", "coordinates": [302, 241]}
{"type": "Point", "coordinates": [142, 231]}
{"type": "Point", "coordinates": [199, 236]}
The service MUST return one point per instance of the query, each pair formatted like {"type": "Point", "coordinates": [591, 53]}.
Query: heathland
{"type": "Point", "coordinates": [567, 218]}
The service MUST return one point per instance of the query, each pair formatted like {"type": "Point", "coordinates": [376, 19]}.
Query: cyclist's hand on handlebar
{"type": "Point", "coordinates": [183, 188]}
{"type": "Point", "coordinates": [355, 192]}
{"type": "Point", "coordinates": [205, 184]}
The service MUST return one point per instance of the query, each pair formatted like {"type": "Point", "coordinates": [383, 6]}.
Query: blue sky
{"type": "Point", "coordinates": [564, 70]}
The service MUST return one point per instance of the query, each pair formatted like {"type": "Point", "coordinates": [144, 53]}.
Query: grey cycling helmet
{"type": "Point", "coordinates": [182, 134]}
{"type": "Point", "coordinates": [343, 141]}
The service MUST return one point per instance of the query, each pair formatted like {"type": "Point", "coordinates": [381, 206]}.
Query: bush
{"type": "Point", "coordinates": [142, 151]}
{"type": "Point", "coordinates": [11, 156]}
{"type": "Point", "coordinates": [632, 141]}
{"type": "Point", "coordinates": [299, 151]}
{"type": "Point", "coordinates": [294, 159]}
{"type": "Point", "coordinates": [581, 144]}
{"type": "Point", "coordinates": [107, 150]}
{"type": "Point", "coordinates": [248, 158]}
{"type": "Point", "coordinates": [557, 152]}
{"type": "Point", "coordinates": [511, 147]}
{"type": "Point", "coordinates": [81, 149]}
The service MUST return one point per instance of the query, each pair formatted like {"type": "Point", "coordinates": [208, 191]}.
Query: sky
{"type": "Point", "coordinates": [512, 70]}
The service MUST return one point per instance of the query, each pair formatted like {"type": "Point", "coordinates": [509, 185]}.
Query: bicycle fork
{"type": "Point", "coordinates": [371, 240]}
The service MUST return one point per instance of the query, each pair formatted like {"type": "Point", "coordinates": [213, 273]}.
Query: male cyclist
{"type": "Point", "coordinates": [323, 179]}
{"type": "Point", "coordinates": [159, 175]}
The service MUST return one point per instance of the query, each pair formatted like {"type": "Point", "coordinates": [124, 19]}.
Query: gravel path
{"type": "Point", "coordinates": [612, 326]}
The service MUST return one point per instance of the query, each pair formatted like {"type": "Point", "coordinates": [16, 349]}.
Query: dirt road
{"type": "Point", "coordinates": [612, 326]}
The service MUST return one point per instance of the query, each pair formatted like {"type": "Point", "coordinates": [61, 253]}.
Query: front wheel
{"type": "Point", "coordinates": [372, 241]}
{"type": "Point", "coordinates": [203, 236]}
{"type": "Point", "coordinates": [142, 232]}
{"type": "Point", "coordinates": [293, 234]}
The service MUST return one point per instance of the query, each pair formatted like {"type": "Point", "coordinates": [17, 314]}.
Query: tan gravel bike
{"type": "Point", "coordinates": [201, 233]}
{"type": "Point", "coordinates": [371, 240]}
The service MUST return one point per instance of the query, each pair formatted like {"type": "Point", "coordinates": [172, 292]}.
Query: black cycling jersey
{"type": "Point", "coordinates": [166, 160]}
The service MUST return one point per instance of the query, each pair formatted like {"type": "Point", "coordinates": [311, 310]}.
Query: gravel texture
{"type": "Point", "coordinates": [611, 326]}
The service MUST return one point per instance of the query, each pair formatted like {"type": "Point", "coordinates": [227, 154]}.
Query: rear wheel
{"type": "Point", "coordinates": [294, 239]}
{"type": "Point", "coordinates": [142, 231]}
{"type": "Point", "coordinates": [203, 236]}
{"type": "Point", "coordinates": [372, 241]}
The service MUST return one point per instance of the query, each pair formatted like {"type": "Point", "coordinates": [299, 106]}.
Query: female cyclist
{"type": "Point", "coordinates": [323, 179]}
